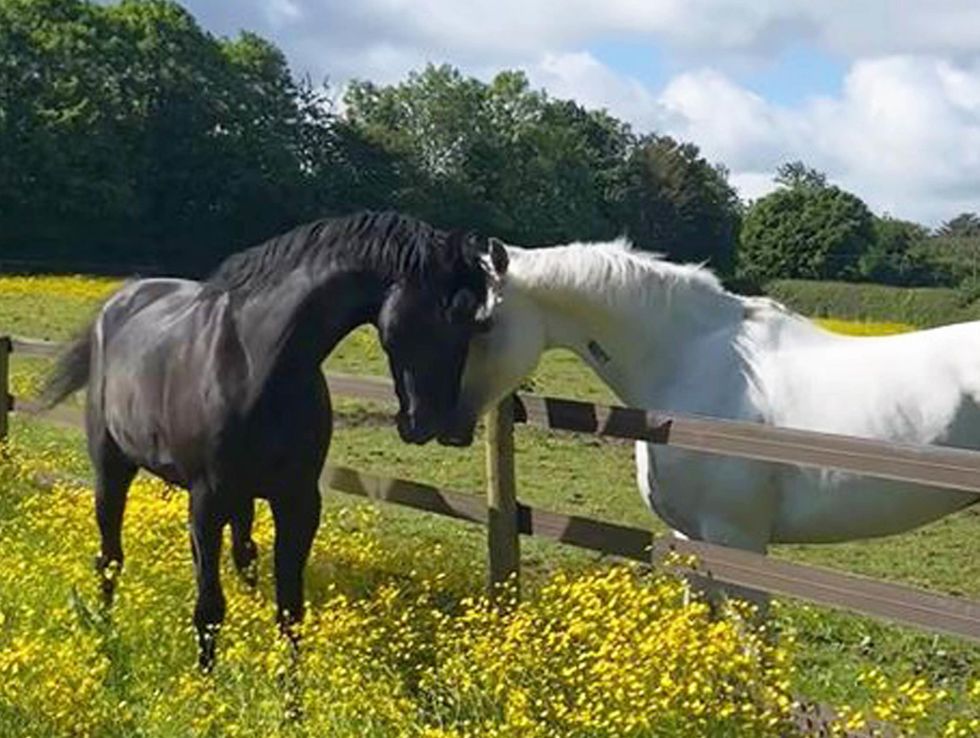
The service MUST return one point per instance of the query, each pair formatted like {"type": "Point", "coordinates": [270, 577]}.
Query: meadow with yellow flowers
{"type": "Point", "coordinates": [398, 640]}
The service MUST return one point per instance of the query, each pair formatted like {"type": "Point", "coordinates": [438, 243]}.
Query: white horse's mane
{"type": "Point", "coordinates": [601, 265]}
{"type": "Point", "coordinates": [616, 271]}
{"type": "Point", "coordinates": [622, 263]}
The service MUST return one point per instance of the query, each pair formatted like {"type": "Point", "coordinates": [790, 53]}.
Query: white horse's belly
{"type": "Point", "coordinates": [827, 507]}
{"type": "Point", "coordinates": [750, 504]}
{"type": "Point", "coordinates": [819, 506]}
{"type": "Point", "coordinates": [722, 500]}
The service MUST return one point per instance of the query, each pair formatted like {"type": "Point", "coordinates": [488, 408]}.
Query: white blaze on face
{"type": "Point", "coordinates": [494, 289]}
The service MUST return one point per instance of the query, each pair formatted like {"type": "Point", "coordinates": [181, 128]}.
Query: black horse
{"type": "Point", "coordinates": [216, 386]}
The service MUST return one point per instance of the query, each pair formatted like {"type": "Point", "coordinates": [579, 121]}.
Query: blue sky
{"type": "Point", "coordinates": [882, 95]}
{"type": "Point", "coordinates": [799, 72]}
{"type": "Point", "coordinates": [788, 78]}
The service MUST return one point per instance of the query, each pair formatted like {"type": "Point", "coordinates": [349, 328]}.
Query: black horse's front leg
{"type": "Point", "coordinates": [297, 518]}
{"type": "Point", "coordinates": [207, 518]}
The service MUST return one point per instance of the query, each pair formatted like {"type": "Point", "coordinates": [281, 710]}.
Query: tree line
{"type": "Point", "coordinates": [132, 139]}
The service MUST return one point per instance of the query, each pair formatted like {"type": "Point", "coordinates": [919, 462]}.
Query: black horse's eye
{"type": "Point", "coordinates": [462, 306]}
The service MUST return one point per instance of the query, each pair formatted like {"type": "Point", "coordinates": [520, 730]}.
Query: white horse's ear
{"type": "Point", "coordinates": [498, 256]}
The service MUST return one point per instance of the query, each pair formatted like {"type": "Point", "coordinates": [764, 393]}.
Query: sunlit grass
{"type": "Point", "coordinates": [398, 640]}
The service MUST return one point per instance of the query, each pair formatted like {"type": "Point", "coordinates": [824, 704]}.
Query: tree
{"type": "Point", "coordinates": [674, 201]}
{"type": "Point", "coordinates": [806, 229]}
{"type": "Point", "coordinates": [213, 128]}
{"type": "Point", "coordinates": [499, 157]}
{"type": "Point", "coordinates": [795, 174]}
{"type": "Point", "coordinates": [61, 169]}
{"type": "Point", "coordinates": [964, 225]}
{"type": "Point", "coordinates": [897, 255]}
{"type": "Point", "coordinates": [128, 135]}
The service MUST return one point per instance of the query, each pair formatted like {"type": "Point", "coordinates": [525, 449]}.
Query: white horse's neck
{"type": "Point", "coordinates": [628, 315]}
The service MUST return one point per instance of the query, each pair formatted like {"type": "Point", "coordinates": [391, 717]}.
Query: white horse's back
{"type": "Point", "coordinates": [907, 388]}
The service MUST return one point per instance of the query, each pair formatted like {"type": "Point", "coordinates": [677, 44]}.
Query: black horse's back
{"type": "Point", "coordinates": [72, 369]}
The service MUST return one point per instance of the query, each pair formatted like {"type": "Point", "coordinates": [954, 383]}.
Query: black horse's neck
{"type": "Point", "coordinates": [294, 325]}
{"type": "Point", "coordinates": [296, 296]}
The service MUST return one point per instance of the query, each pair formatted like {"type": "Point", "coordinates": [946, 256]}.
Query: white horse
{"type": "Point", "coordinates": [670, 337]}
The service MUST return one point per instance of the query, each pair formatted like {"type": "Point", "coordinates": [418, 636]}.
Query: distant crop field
{"type": "Point", "coordinates": [398, 640]}
{"type": "Point", "coordinates": [863, 328]}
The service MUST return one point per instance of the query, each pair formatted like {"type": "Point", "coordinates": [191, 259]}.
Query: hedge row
{"type": "Point", "coordinates": [923, 307]}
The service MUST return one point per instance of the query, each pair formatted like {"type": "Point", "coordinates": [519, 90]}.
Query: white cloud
{"type": "Point", "coordinates": [580, 76]}
{"type": "Point", "coordinates": [340, 36]}
{"type": "Point", "coordinates": [904, 134]}
{"type": "Point", "coordinates": [730, 123]}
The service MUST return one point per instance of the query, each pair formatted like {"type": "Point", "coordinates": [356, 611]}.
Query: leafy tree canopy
{"type": "Point", "coordinates": [806, 228]}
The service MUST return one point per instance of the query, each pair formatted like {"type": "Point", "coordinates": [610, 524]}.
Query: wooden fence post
{"type": "Point", "coordinates": [5, 348]}
{"type": "Point", "coordinates": [504, 542]}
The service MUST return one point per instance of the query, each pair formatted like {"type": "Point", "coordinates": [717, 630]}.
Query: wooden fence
{"type": "Point", "coordinates": [506, 518]}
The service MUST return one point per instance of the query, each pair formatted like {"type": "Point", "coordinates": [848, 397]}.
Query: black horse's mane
{"type": "Point", "coordinates": [392, 245]}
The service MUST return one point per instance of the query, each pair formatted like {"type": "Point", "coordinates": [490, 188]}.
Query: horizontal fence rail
{"type": "Point", "coordinates": [33, 347]}
{"type": "Point", "coordinates": [938, 467]}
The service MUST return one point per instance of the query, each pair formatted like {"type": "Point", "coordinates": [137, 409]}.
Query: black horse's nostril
{"type": "Point", "coordinates": [459, 431]}
{"type": "Point", "coordinates": [404, 425]}
{"type": "Point", "coordinates": [457, 436]}
{"type": "Point", "coordinates": [456, 441]}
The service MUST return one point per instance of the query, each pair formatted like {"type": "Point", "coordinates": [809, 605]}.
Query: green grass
{"type": "Point", "coordinates": [595, 478]}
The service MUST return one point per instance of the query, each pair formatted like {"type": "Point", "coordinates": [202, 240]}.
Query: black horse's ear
{"type": "Point", "coordinates": [498, 256]}
{"type": "Point", "coordinates": [462, 307]}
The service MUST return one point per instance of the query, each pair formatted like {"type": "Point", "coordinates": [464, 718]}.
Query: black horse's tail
{"type": "Point", "coordinates": [70, 372]}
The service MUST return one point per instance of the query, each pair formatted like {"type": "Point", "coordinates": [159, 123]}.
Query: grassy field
{"type": "Point", "coordinates": [834, 653]}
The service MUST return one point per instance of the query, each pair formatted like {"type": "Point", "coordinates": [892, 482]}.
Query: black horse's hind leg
{"type": "Point", "coordinates": [243, 548]}
{"type": "Point", "coordinates": [113, 475]}
{"type": "Point", "coordinates": [208, 515]}
{"type": "Point", "coordinates": [297, 517]}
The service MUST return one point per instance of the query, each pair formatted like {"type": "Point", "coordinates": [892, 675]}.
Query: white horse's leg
{"type": "Point", "coordinates": [726, 502]}
{"type": "Point", "coordinates": [691, 584]}
{"type": "Point", "coordinates": [720, 533]}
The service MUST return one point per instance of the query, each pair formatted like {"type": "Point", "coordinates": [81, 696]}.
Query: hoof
{"type": "Point", "coordinates": [108, 572]}
{"type": "Point", "coordinates": [289, 628]}
{"type": "Point", "coordinates": [246, 564]}
{"type": "Point", "coordinates": [207, 648]}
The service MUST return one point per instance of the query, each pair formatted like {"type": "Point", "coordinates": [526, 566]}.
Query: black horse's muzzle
{"type": "Point", "coordinates": [459, 431]}
{"type": "Point", "coordinates": [415, 428]}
